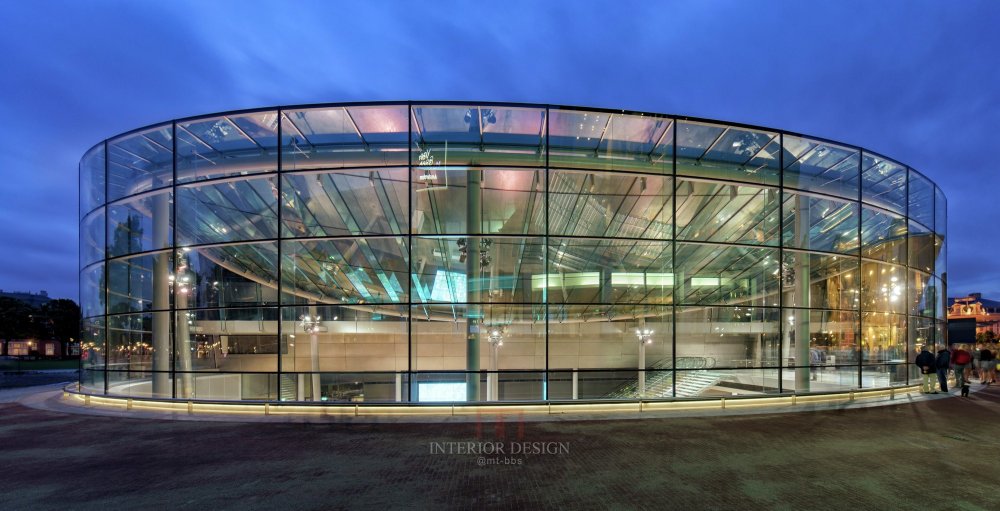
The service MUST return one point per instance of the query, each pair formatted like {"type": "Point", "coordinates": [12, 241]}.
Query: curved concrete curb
{"type": "Point", "coordinates": [57, 400]}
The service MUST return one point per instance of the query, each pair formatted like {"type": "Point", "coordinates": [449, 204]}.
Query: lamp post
{"type": "Point", "coordinates": [495, 339]}
{"type": "Point", "coordinates": [645, 336]}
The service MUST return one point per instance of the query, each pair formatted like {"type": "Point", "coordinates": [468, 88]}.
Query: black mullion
{"type": "Point", "coordinates": [781, 259]}
{"type": "Point", "coordinates": [173, 244]}
{"type": "Point", "coordinates": [409, 253]}
{"type": "Point", "coordinates": [106, 269]}
{"type": "Point", "coordinates": [673, 264]}
{"type": "Point", "coordinates": [858, 342]}
{"type": "Point", "coordinates": [279, 274]}
{"type": "Point", "coordinates": [545, 252]}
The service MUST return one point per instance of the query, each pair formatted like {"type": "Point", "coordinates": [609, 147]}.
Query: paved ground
{"type": "Point", "coordinates": [14, 379]}
{"type": "Point", "coordinates": [936, 454]}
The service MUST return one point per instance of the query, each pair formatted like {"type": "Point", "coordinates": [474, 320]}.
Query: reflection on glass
{"type": "Point", "coordinates": [729, 336]}
{"type": "Point", "coordinates": [819, 166]}
{"type": "Point", "coordinates": [507, 201]}
{"type": "Point", "coordinates": [92, 182]}
{"type": "Point", "coordinates": [727, 152]}
{"type": "Point", "coordinates": [818, 223]}
{"type": "Point", "coordinates": [821, 281]}
{"type": "Point", "coordinates": [338, 137]}
{"type": "Point", "coordinates": [362, 270]}
{"type": "Point", "coordinates": [727, 275]}
{"type": "Point", "coordinates": [140, 223]}
{"type": "Point", "coordinates": [140, 162]}
{"type": "Point", "coordinates": [727, 213]}
{"type": "Point", "coordinates": [229, 210]}
{"type": "Point", "coordinates": [234, 145]}
{"type": "Point", "coordinates": [345, 203]}
{"type": "Point", "coordinates": [883, 183]}
{"type": "Point", "coordinates": [883, 236]}
{"type": "Point", "coordinates": [883, 287]}
{"type": "Point", "coordinates": [606, 141]}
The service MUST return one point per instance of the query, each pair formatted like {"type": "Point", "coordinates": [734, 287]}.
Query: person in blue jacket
{"type": "Point", "coordinates": [942, 364]}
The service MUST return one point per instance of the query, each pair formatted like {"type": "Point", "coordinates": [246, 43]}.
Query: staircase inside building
{"type": "Point", "coordinates": [694, 378]}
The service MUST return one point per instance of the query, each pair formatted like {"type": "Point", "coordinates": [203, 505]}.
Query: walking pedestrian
{"type": "Point", "coordinates": [941, 365]}
{"type": "Point", "coordinates": [987, 370]}
{"type": "Point", "coordinates": [962, 360]}
{"type": "Point", "coordinates": [925, 362]}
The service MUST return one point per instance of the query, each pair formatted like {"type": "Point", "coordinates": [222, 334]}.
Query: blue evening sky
{"type": "Point", "coordinates": [917, 81]}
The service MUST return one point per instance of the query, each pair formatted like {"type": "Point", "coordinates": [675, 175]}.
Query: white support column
{"type": "Point", "coordinates": [576, 384]}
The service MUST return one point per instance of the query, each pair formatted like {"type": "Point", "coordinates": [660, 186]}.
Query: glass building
{"type": "Point", "coordinates": [427, 252]}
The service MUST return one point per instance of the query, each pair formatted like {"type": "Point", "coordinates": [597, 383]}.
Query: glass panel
{"type": "Point", "coordinates": [941, 228]}
{"type": "Point", "coordinates": [342, 338]}
{"type": "Point", "coordinates": [607, 271]}
{"type": "Point", "coordinates": [883, 183]}
{"type": "Point", "coordinates": [510, 201]}
{"type": "Point", "coordinates": [921, 247]}
{"type": "Point", "coordinates": [140, 162]}
{"type": "Point", "coordinates": [822, 167]}
{"type": "Point", "coordinates": [345, 387]}
{"type": "Point", "coordinates": [366, 270]}
{"type": "Point", "coordinates": [227, 146]}
{"type": "Point", "coordinates": [728, 337]}
{"type": "Point", "coordinates": [727, 213]}
{"type": "Point", "coordinates": [940, 212]}
{"type": "Point", "coordinates": [884, 375]}
{"type": "Point", "coordinates": [345, 203]}
{"type": "Point", "coordinates": [225, 340]}
{"type": "Point", "coordinates": [940, 256]}
{"type": "Point", "coordinates": [883, 287]}
{"type": "Point", "coordinates": [510, 270]}
{"type": "Point", "coordinates": [337, 137]}
{"type": "Point", "coordinates": [816, 223]}
{"type": "Point", "coordinates": [727, 152]}
{"type": "Point", "coordinates": [479, 135]}
{"type": "Point", "coordinates": [132, 285]}
{"type": "Point", "coordinates": [140, 223]}
{"type": "Point", "coordinates": [137, 344]}
{"type": "Point", "coordinates": [607, 384]}
{"type": "Point", "coordinates": [607, 141]}
{"type": "Point", "coordinates": [92, 237]}
{"type": "Point", "coordinates": [883, 236]}
{"type": "Point", "coordinates": [93, 347]}
{"type": "Point", "coordinates": [92, 280]}
{"type": "Point", "coordinates": [937, 292]}
{"type": "Point", "coordinates": [134, 383]}
{"type": "Point", "coordinates": [613, 337]}
{"type": "Point", "coordinates": [921, 333]}
{"type": "Point", "coordinates": [229, 210]}
{"type": "Point", "coordinates": [237, 275]}
{"type": "Point", "coordinates": [831, 281]}
{"type": "Point", "coordinates": [921, 294]}
{"type": "Point", "coordinates": [921, 204]}
{"type": "Point", "coordinates": [725, 275]}
{"type": "Point", "coordinates": [92, 182]}
{"type": "Point", "coordinates": [609, 205]}
{"type": "Point", "coordinates": [832, 341]}
{"type": "Point", "coordinates": [883, 337]}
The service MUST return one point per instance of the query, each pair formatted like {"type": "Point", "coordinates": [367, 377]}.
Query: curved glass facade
{"type": "Point", "coordinates": [429, 252]}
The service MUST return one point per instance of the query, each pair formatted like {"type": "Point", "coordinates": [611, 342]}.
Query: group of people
{"type": "Point", "coordinates": [980, 362]}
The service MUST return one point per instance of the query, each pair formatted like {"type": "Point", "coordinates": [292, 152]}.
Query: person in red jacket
{"type": "Point", "coordinates": [961, 361]}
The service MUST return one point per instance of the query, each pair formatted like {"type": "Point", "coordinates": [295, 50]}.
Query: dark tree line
{"type": "Point", "coordinates": [58, 319]}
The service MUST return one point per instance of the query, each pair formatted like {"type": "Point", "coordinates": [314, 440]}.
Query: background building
{"type": "Point", "coordinates": [440, 251]}
{"type": "Point", "coordinates": [985, 313]}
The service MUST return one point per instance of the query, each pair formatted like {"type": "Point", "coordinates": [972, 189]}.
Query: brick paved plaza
{"type": "Point", "coordinates": [906, 456]}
